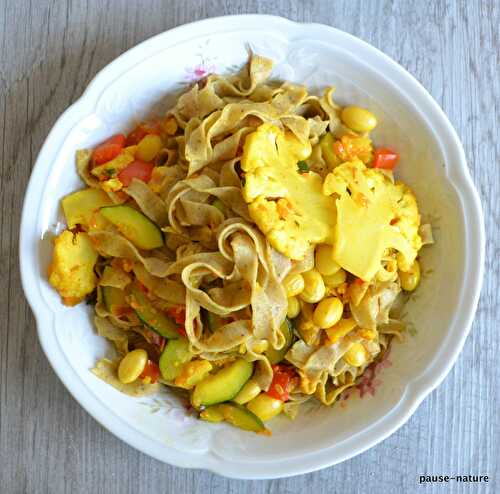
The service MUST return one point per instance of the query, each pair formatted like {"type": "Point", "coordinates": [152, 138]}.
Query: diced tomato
{"type": "Point", "coordinates": [282, 376]}
{"type": "Point", "coordinates": [108, 150]}
{"type": "Point", "coordinates": [137, 169]}
{"type": "Point", "coordinates": [151, 373]}
{"type": "Point", "coordinates": [358, 281]}
{"type": "Point", "coordinates": [141, 131]}
{"type": "Point", "coordinates": [385, 158]}
{"type": "Point", "coordinates": [182, 331]}
{"type": "Point", "coordinates": [121, 310]}
{"type": "Point", "coordinates": [178, 314]}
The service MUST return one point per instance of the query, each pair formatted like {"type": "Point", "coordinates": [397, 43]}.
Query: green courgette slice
{"type": "Point", "coordinates": [80, 206]}
{"type": "Point", "coordinates": [114, 299]}
{"type": "Point", "coordinates": [150, 316]}
{"type": "Point", "coordinates": [222, 386]}
{"type": "Point", "coordinates": [176, 354]}
{"type": "Point", "coordinates": [235, 414]}
{"type": "Point", "coordinates": [135, 226]}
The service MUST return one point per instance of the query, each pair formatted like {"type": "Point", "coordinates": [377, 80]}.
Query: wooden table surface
{"type": "Point", "coordinates": [50, 49]}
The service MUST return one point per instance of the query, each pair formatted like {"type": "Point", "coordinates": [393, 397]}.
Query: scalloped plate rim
{"type": "Point", "coordinates": [416, 390]}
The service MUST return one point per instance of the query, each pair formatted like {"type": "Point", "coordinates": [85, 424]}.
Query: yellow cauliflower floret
{"type": "Point", "coordinates": [71, 272]}
{"type": "Point", "coordinates": [373, 215]}
{"type": "Point", "coordinates": [287, 205]}
{"type": "Point", "coordinates": [407, 221]}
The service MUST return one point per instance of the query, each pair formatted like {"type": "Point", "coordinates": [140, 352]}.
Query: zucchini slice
{"type": "Point", "coordinates": [176, 354]}
{"type": "Point", "coordinates": [135, 226]}
{"type": "Point", "coordinates": [222, 386]}
{"type": "Point", "coordinates": [235, 414]}
{"type": "Point", "coordinates": [150, 316]}
{"type": "Point", "coordinates": [114, 299]}
{"type": "Point", "coordinates": [212, 414]}
{"type": "Point", "coordinates": [80, 206]}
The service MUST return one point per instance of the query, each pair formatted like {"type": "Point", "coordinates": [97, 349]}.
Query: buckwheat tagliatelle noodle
{"type": "Point", "coordinates": [249, 248]}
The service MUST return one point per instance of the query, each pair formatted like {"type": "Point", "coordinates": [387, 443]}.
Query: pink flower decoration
{"type": "Point", "coordinates": [368, 383]}
{"type": "Point", "coordinates": [199, 71]}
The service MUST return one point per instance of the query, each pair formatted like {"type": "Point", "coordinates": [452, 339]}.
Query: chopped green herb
{"type": "Point", "coordinates": [110, 172]}
{"type": "Point", "coordinates": [303, 167]}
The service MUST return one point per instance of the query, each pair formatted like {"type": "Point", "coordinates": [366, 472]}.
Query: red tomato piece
{"type": "Point", "coordinates": [141, 131]}
{"type": "Point", "coordinates": [137, 169]}
{"type": "Point", "coordinates": [385, 158]}
{"type": "Point", "coordinates": [178, 314]}
{"type": "Point", "coordinates": [282, 376]}
{"type": "Point", "coordinates": [108, 150]}
{"type": "Point", "coordinates": [151, 372]}
{"type": "Point", "coordinates": [182, 331]}
{"type": "Point", "coordinates": [121, 310]}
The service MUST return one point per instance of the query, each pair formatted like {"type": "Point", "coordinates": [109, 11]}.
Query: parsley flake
{"type": "Point", "coordinates": [303, 167]}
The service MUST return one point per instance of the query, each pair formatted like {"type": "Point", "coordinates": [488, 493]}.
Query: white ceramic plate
{"type": "Point", "coordinates": [144, 80]}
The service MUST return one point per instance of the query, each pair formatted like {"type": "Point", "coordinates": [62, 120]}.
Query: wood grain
{"type": "Point", "coordinates": [50, 49]}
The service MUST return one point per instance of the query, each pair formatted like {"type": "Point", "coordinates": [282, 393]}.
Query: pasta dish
{"type": "Point", "coordinates": [249, 249]}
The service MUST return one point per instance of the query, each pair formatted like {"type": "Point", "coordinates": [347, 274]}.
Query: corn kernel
{"type": "Point", "coordinates": [293, 284]}
{"type": "Point", "coordinates": [341, 329]}
{"type": "Point", "coordinates": [293, 308]}
{"type": "Point", "coordinates": [336, 279]}
{"type": "Point", "coordinates": [356, 355]}
{"type": "Point", "coordinates": [328, 312]}
{"type": "Point", "coordinates": [358, 119]}
{"type": "Point", "coordinates": [314, 287]}
{"type": "Point", "coordinates": [132, 365]}
{"type": "Point", "coordinates": [410, 279]}
{"type": "Point", "coordinates": [265, 407]}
